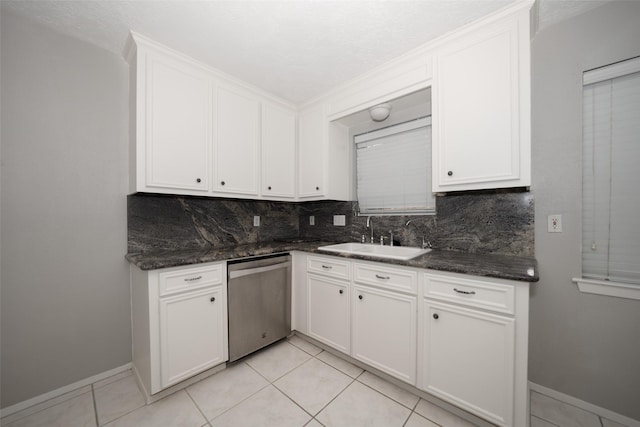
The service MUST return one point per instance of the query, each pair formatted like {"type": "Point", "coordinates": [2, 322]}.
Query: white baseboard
{"type": "Point", "coordinates": [21, 406]}
{"type": "Point", "coordinates": [594, 409]}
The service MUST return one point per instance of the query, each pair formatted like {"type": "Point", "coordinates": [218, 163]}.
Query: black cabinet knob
{"type": "Point", "coordinates": [317, 188]}
{"type": "Point", "coordinates": [212, 299]}
{"type": "Point", "coordinates": [341, 291]}
{"type": "Point", "coordinates": [222, 182]}
{"type": "Point", "coordinates": [198, 180]}
{"type": "Point", "coordinates": [269, 188]}
{"type": "Point", "coordinates": [360, 296]}
{"type": "Point", "coordinates": [435, 316]}
{"type": "Point", "coordinates": [450, 173]}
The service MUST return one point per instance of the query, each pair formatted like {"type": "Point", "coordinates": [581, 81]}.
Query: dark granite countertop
{"type": "Point", "coordinates": [489, 265]}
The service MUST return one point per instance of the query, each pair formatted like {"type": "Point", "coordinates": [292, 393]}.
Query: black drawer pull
{"type": "Point", "coordinates": [464, 292]}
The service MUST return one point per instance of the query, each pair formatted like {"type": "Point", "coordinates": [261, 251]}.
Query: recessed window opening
{"type": "Point", "coordinates": [393, 168]}
{"type": "Point", "coordinates": [611, 182]}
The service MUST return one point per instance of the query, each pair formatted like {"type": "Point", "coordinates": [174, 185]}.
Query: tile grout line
{"type": "Point", "coordinates": [127, 412]}
{"type": "Point", "coordinates": [313, 417]}
{"type": "Point", "coordinates": [388, 397]}
{"type": "Point", "coordinates": [196, 403]}
{"type": "Point", "coordinates": [243, 400]}
{"type": "Point", "coordinates": [543, 419]}
{"type": "Point", "coordinates": [95, 405]}
{"type": "Point", "coordinates": [272, 383]}
{"type": "Point", "coordinates": [353, 379]}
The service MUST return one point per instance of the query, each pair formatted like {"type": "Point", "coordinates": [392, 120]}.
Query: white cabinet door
{"type": "Point", "coordinates": [468, 359]}
{"type": "Point", "coordinates": [237, 142]}
{"type": "Point", "coordinates": [312, 142]}
{"type": "Point", "coordinates": [278, 152]}
{"type": "Point", "coordinates": [328, 311]}
{"type": "Point", "coordinates": [193, 333]}
{"type": "Point", "coordinates": [174, 98]}
{"type": "Point", "coordinates": [480, 111]}
{"type": "Point", "coordinates": [384, 331]}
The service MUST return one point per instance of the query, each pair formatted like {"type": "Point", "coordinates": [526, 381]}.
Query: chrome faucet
{"type": "Point", "coordinates": [425, 243]}
{"type": "Point", "coordinates": [369, 225]}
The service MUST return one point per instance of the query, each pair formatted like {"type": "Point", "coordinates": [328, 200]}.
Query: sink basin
{"type": "Point", "coordinates": [378, 251]}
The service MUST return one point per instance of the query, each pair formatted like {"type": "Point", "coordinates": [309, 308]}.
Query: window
{"type": "Point", "coordinates": [394, 169]}
{"type": "Point", "coordinates": [611, 179]}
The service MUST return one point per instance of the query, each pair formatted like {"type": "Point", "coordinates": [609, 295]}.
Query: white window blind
{"type": "Point", "coordinates": [394, 169]}
{"type": "Point", "coordinates": [611, 177]}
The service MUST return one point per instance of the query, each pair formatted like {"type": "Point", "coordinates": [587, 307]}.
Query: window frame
{"type": "Point", "coordinates": [586, 284]}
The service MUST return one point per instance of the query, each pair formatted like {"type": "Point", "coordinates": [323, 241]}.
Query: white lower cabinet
{"type": "Point", "coordinates": [329, 311]}
{"type": "Point", "coordinates": [461, 338]}
{"type": "Point", "coordinates": [474, 334]}
{"type": "Point", "coordinates": [179, 319]}
{"type": "Point", "coordinates": [468, 358]}
{"type": "Point", "coordinates": [384, 331]}
{"type": "Point", "coordinates": [191, 333]}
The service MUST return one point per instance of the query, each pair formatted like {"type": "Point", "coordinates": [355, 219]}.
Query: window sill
{"type": "Point", "coordinates": [612, 289]}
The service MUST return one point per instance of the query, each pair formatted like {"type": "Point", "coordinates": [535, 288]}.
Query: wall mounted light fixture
{"type": "Point", "coordinates": [380, 112]}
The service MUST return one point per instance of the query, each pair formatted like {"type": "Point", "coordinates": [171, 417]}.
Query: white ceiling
{"type": "Point", "coordinates": [295, 49]}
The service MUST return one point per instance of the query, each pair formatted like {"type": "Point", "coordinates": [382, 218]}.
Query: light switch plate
{"type": "Point", "coordinates": [339, 220]}
{"type": "Point", "coordinates": [312, 220]}
{"type": "Point", "coordinates": [256, 220]}
{"type": "Point", "coordinates": [554, 223]}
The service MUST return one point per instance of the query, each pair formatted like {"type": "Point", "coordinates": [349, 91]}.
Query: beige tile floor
{"type": "Point", "coordinates": [292, 383]}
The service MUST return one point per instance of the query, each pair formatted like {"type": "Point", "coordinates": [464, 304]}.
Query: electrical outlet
{"type": "Point", "coordinates": [339, 220]}
{"type": "Point", "coordinates": [554, 223]}
{"type": "Point", "coordinates": [312, 220]}
{"type": "Point", "coordinates": [256, 220]}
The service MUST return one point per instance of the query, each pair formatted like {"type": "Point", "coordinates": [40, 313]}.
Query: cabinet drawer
{"type": "Point", "coordinates": [189, 279]}
{"type": "Point", "coordinates": [473, 293]}
{"type": "Point", "coordinates": [329, 267]}
{"type": "Point", "coordinates": [386, 277]}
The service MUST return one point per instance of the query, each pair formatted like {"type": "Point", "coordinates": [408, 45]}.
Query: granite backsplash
{"type": "Point", "coordinates": [498, 222]}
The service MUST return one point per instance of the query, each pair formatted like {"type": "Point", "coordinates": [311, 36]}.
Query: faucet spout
{"type": "Point", "coordinates": [425, 243]}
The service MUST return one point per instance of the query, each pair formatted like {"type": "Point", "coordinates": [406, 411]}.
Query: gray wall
{"type": "Point", "coordinates": [584, 345]}
{"type": "Point", "coordinates": [65, 283]}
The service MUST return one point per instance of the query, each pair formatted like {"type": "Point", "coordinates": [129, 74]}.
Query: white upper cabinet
{"type": "Point", "coordinates": [199, 131]}
{"type": "Point", "coordinates": [481, 109]}
{"type": "Point", "coordinates": [312, 137]}
{"type": "Point", "coordinates": [237, 142]}
{"type": "Point", "coordinates": [196, 131]}
{"type": "Point", "coordinates": [324, 156]}
{"type": "Point", "coordinates": [172, 132]}
{"type": "Point", "coordinates": [278, 151]}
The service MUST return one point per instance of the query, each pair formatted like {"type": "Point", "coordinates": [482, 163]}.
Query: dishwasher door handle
{"type": "Point", "coordinates": [258, 270]}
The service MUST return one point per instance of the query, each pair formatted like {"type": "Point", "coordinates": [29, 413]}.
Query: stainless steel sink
{"type": "Point", "coordinates": [378, 251]}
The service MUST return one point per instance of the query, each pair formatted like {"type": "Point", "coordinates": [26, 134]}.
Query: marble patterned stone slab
{"type": "Point", "coordinates": [157, 222]}
{"type": "Point", "coordinates": [483, 233]}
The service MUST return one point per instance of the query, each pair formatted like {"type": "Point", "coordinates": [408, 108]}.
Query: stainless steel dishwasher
{"type": "Point", "coordinates": [259, 292]}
